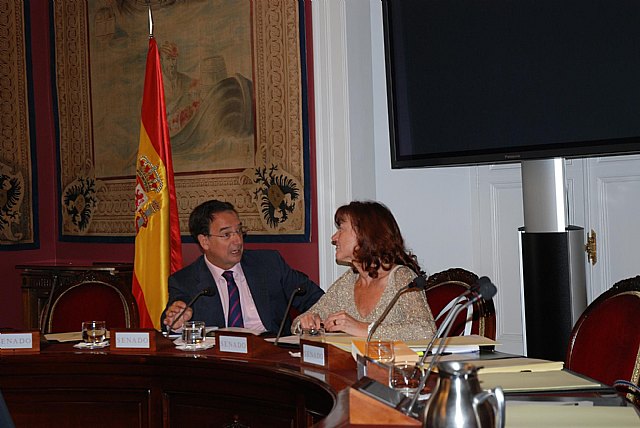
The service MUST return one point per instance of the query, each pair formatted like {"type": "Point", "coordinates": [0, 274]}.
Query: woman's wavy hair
{"type": "Point", "coordinates": [380, 243]}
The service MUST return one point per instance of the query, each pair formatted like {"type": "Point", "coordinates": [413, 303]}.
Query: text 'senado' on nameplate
{"type": "Point", "coordinates": [313, 354]}
{"type": "Point", "coordinates": [126, 340]}
{"type": "Point", "coordinates": [320, 354]}
{"type": "Point", "coordinates": [20, 342]}
{"type": "Point", "coordinates": [240, 343]}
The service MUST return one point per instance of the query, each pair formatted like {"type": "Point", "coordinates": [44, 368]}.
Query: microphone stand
{"type": "Point", "coordinates": [448, 319]}
{"type": "Point", "coordinates": [209, 291]}
{"type": "Point", "coordinates": [297, 291]}
{"type": "Point", "coordinates": [486, 290]}
{"type": "Point", "coordinates": [419, 283]}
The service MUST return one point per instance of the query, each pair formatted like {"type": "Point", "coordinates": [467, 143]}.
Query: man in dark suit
{"type": "Point", "coordinates": [253, 287]}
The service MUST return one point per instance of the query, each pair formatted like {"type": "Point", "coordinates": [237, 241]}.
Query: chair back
{"type": "Point", "coordinates": [88, 300]}
{"type": "Point", "coordinates": [443, 287]}
{"type": "Point", "coordinates": [605, 341]}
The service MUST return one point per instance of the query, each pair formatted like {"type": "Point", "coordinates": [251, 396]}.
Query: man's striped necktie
{"type": "Point", "coordinates": [235, 310]}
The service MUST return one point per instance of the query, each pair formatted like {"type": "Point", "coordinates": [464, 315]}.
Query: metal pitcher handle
{"type": "Point", "coordinates": [497, 403]}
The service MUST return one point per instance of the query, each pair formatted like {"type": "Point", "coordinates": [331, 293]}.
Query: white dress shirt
{"type": "Point", "coordinates": [250, 315]}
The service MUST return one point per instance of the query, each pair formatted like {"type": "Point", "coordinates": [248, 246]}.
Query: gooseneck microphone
{"type": "Point", "coordinates": [298, 291]}
{"type": "Point", "coordinates": [209, 291]}
{"type": "Point", "coordinates": [452, 306]}
{"type": "Point", "coordinates": [419, 283]}
{"type": "Point", "coordinates": [449, 318]}
{"type": "Point", "coordinates": [486, 290]}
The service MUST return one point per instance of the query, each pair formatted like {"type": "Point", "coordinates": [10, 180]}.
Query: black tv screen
{"type": "Point", "coordinates": [488, 81]}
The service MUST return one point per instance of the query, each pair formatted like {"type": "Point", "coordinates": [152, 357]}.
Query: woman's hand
{"type": "Point", "coordinates": [310, 320]}
{"type": "Point", "coordinates": [342, 321]}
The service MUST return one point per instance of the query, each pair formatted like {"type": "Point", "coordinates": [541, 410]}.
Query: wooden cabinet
{"type": "Point", "coordinates": [38, 280]}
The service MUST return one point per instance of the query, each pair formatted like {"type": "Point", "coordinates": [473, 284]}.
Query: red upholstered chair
{"type": "Point", "coordinates": [88, 300]}
{"type": "Point", "coordinates": [444, 287]}
{"type": "Point", "coordinates": [605, 342]}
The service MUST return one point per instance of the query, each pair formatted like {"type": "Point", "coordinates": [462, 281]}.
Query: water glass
{"type": "Point", "coordinates": [193, 333]}
{"type": "Point", "coordinates": [94, 332]}
{"type": "Point", "coordinates": [381, 351]}
{"type": "Point", "coordinates": [405, 378]}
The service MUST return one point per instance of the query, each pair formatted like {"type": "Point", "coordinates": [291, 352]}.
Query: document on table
{"type": "Point", "coordinates": [328, 338]}
{"type": "Point", "coordinates": [288, 340]}
{"type": "Point", "coordinates": [554, 380]}
{"type": "Point", "coordinates": [455, 344]}
{"type": "Point", "coordinates": [551, 415]}
{"type": "Point", "coordinates": [401, 351]}
{"type": "Point", "coordinates": [517, 364]}
{"type": "Point", "coordinates": [72, 336]}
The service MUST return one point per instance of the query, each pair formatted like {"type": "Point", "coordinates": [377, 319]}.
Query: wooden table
{"type": "Point", "coordinates": [65, 387]}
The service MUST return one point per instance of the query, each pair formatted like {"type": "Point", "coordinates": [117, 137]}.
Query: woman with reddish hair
{"type": "Point", "coordinates": [368, 240]}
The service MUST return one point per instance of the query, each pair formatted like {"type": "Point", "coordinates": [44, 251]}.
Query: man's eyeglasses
{"type": "Point", "coordinates": [242, 232]}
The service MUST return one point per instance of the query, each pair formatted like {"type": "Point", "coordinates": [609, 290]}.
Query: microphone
{"type": "Point", "coordinates": [209, 291]}
{"type": "Point", "coordinates": [452, 306]}
{"type": "Point", "coordinates": [418, 283]}
{"type": "Point", "coordinates": [300, 290]}
{"type": "Point", "coordinates": [485, 290]}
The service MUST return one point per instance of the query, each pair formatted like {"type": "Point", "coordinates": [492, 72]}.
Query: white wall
{"type": "Point", "coordinates": [433, 206]}
{"type": "Point", "coordinates": [450, 217]}
{"type": "Point", "coordinates": [437, 208]}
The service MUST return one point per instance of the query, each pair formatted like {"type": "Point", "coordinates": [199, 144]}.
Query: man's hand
{"type": "Point", "coordinates": [310, 320]}
{"type": "Point", "coordinates": [174, 310]}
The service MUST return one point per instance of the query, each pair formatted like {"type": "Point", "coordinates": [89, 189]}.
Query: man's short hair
{"type": "Point", "coordinates": [201, 217]}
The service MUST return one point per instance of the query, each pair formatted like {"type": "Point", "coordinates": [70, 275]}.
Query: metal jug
{"type": "Point", "coordinates": [458, 401]}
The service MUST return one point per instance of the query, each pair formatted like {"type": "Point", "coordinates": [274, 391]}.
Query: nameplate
{"type": "Point", "coordinates": [235, 344]}
{"type": "Point", "coordinates": [315, 353]}
{"type": "Point", "coordinates": [25, 342]}
{"type": "Point", "coordinates": [242, 343]}
{"type": "Point", "coordinates": [132, 340]}
{"type": "Point", "coordinates": [312, 354]}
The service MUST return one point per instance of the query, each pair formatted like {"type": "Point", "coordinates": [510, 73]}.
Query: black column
{"type": "Point", "coordinates": [547, 294]}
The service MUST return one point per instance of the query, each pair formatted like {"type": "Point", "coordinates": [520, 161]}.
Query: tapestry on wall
{"type": "Point", "coordinates": [234, 87]}
{"type": "Point", "coordinates": [18, 225]}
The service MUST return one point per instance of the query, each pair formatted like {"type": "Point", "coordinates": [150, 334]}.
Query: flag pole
{"type": "Point", "coordinates": [157, 246]}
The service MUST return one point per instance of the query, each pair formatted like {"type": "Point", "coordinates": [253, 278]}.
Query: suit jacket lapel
{"type": "Point", "coordinates": [256, 280]}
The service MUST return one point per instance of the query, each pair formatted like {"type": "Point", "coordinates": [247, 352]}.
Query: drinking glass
{"type": "Point", "coordinates": [193, 333]}
{"type": "Point", "coordinates": [405, 378]}
{"type": "Point", "coordinates": [380, 355]}
{"type": "Point", "coordinates": [381, 351]}
{"type": "Point", "coordinates": [94, 332]}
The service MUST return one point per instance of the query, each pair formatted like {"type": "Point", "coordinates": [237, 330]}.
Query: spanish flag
{"type": "Point", "coordinates": [158, 251]}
